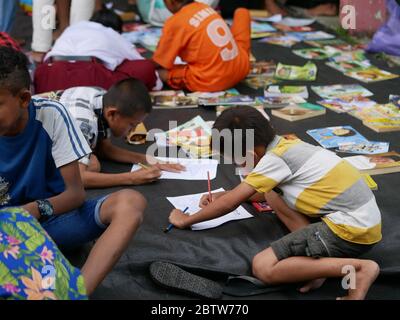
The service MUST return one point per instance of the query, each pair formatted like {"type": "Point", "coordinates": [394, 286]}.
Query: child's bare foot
{"type": "Point", "coordinates": [312, 285]}
{"type": "Point", "coordinates": [365, 277]}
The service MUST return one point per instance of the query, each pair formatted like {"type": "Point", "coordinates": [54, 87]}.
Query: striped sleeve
{"type": "Point", "coordinates": [269, 173]}
{"type": "Point", "coordinates": [69, 144]}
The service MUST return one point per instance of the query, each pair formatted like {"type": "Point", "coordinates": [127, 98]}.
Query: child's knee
{"type": "Point", "coordinates": [129, 206]}
{"type": "Point", "coordinates": [263, 266]}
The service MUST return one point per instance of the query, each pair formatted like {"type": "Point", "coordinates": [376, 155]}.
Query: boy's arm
{"type": "Point", "coordinates": [292, 219]}
{"type": "Point", "coordinates": [93, 179]}
{"type": "Point", "coordinates": [73, 196]}
{"type": "Point", "coordinates": [107, 150]}
{"type": "Point", "coordinates": [223, 205]}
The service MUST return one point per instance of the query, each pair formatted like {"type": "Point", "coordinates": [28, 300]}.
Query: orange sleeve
{"type": "Point", "coordinates": [170, 45]}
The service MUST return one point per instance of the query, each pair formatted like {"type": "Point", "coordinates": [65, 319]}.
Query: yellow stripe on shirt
{"type": "Point", "coordinates": [316, 196]}
{"type": "Point", "coordinates": [260, 183]}
{"type": "Point", "coordinates": [355, 234]}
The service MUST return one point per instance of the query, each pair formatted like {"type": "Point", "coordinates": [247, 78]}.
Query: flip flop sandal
{"type": "Point", "coordinates": [245, 286]}
{"type": "Point", "coordinates": [173, 277]}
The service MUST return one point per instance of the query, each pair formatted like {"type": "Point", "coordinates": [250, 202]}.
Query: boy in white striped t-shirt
{"type": "Point", "coordinates": [315, 183]}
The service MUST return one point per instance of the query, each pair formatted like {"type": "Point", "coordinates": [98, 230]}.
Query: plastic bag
{"type": "Point", "coordinates": [387, 38]}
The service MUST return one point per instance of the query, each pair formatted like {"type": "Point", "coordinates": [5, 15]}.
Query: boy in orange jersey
{"type": "Point", "coordinates": [217, 57]}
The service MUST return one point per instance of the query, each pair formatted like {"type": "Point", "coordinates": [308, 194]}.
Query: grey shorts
{"type": "Point", "coordinates": [316, 240]}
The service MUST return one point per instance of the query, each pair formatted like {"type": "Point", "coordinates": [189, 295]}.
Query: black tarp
{"type": "Point", "coordinates": [231, 247]}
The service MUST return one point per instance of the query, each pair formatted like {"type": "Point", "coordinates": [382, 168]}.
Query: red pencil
{"type": "Point", "coordinates": [209, 186]}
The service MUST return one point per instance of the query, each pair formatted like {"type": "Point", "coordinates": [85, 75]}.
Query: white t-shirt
{"type": "Point", "coordinates": [88, 38]}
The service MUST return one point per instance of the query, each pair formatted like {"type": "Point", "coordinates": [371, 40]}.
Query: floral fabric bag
{"type": "Point", "coordinates": [31, 265]}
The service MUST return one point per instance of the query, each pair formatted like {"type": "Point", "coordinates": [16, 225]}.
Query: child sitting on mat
{"type": "Point", "coordinates": [40, 146]}
{"type": "Point", "coordinates": [216, 57]}
{"type": "Point", "coordinates": [100, 114]}
{"type": "Point", "coordinates": [315, 183]}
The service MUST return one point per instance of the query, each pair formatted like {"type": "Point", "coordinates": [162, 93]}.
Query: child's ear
{"type": "Point", "coordinates": [110, 112]}
{"type": "Point", "coordinates": [25, 97]}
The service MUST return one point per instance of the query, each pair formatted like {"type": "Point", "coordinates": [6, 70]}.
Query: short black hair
{"type": "Point", "coordinates": [14, 73]}
{"type": "Point", "coordinates": [129, 96]}
{"type": "Point", "coordinates": [245, 118]}
{"type": "Point", "coordinates": [108, 18]}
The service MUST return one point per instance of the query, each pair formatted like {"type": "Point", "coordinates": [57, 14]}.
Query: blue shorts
{"type": "Point", "coordinates": [75, 228]}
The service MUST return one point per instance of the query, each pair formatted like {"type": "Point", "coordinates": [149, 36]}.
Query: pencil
{"type": "Point", "coordinates": [143, 166]}
{"type": "Point", "coordinates": [169, 228]}
{"type": "Point", "coordinates": [209, 186]}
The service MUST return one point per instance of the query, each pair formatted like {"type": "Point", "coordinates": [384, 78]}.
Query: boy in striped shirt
{"type": "Point", "coordinates": [315, 184]}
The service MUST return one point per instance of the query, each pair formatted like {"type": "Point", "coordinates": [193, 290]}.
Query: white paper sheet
{"type": "Point", "coordinates": [192, 202]}
{"type": "Point", "coordinates": [196, 169]}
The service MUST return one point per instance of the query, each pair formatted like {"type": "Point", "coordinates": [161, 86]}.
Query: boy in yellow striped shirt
{"type": "Point", "coordinates": [315, 183]}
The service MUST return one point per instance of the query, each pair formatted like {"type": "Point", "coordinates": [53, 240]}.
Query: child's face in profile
{"type": "Point", "coordinates": [121, 125]}
{"type": "Point", "coordinates": [13, 109]}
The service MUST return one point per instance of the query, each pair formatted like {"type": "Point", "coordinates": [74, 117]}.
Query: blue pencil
{"type": "Point", "coordinates": [169, 228]}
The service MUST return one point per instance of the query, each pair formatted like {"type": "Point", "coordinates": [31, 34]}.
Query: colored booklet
{"type": "Point", "coordinates": [299, 112]}
{"type": "Point", "coordinates": [395, 100]}
{"type": "Point", "coordinates": [316, 53]}
{"type": "Point", "coordinates": [370, 182]}
{"type": "Point", "coordinates": [370, 147]}
{"type": "Point", "coordinates": [240, 100]}
{"type": "Point", "coordinates": [341, 91]}
{"type": "Point", "coordinates": [261, 81]}
{"type": "Point", "coordinates": [327, 42]}
{"type": "Point", "coordinates": [380, 118]}
{"type": "Point", "coordinates": [284, 41]}
{"type": "Point", "coordinates": [279, 102]}
{"type": "Point", "coordinates": [285, 28]}
{"type": "Point", "coordinates": [343, 105]}
{"type": "Point", "coordinates": [221, 109]}
{"type": "Point", "coordinates": [371, 75]}
{"type": "Point", "coordinates": [376, 164]}
{"type": "Point", "coordinates": [308, 72]}
{"type": "Point", "coordinates": [172, 100]}
{"type": "Point", "coordinates": [262, 207]}
{"type": "Point", "coordinates": [333, 136]}
{"type": "Point", "coordinates": [286, 91]}
{"type": "Point", "coordinates": [257, 27]}
{"type": "Point", "coordinates": [357, 55]}
{"type": "Point", "coordinates": [314, 35]}
{"type": "Point", "coordinates": [266, 68]}
{"type": "Point", "coordinates": [260, 35]}
{"type": "Point", "coordinates": [347, 66]}
{"type": "Point", "coordinates": [194, 137]}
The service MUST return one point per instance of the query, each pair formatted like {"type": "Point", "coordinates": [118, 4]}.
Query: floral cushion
{"type": "Point", "coordinates": [31, 265]}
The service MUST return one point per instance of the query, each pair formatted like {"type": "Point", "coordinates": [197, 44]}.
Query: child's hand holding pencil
{"type": "Point", "coordinates": [178, 219]}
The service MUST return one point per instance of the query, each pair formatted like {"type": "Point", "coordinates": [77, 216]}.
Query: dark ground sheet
{"type": "Point", "coordinates": [231, 247]}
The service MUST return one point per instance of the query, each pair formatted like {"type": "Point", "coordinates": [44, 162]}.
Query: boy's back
{"type": "Point", "coordinates": [198, 34]}
{"type": "Point", "coordinates": [316, 182]}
